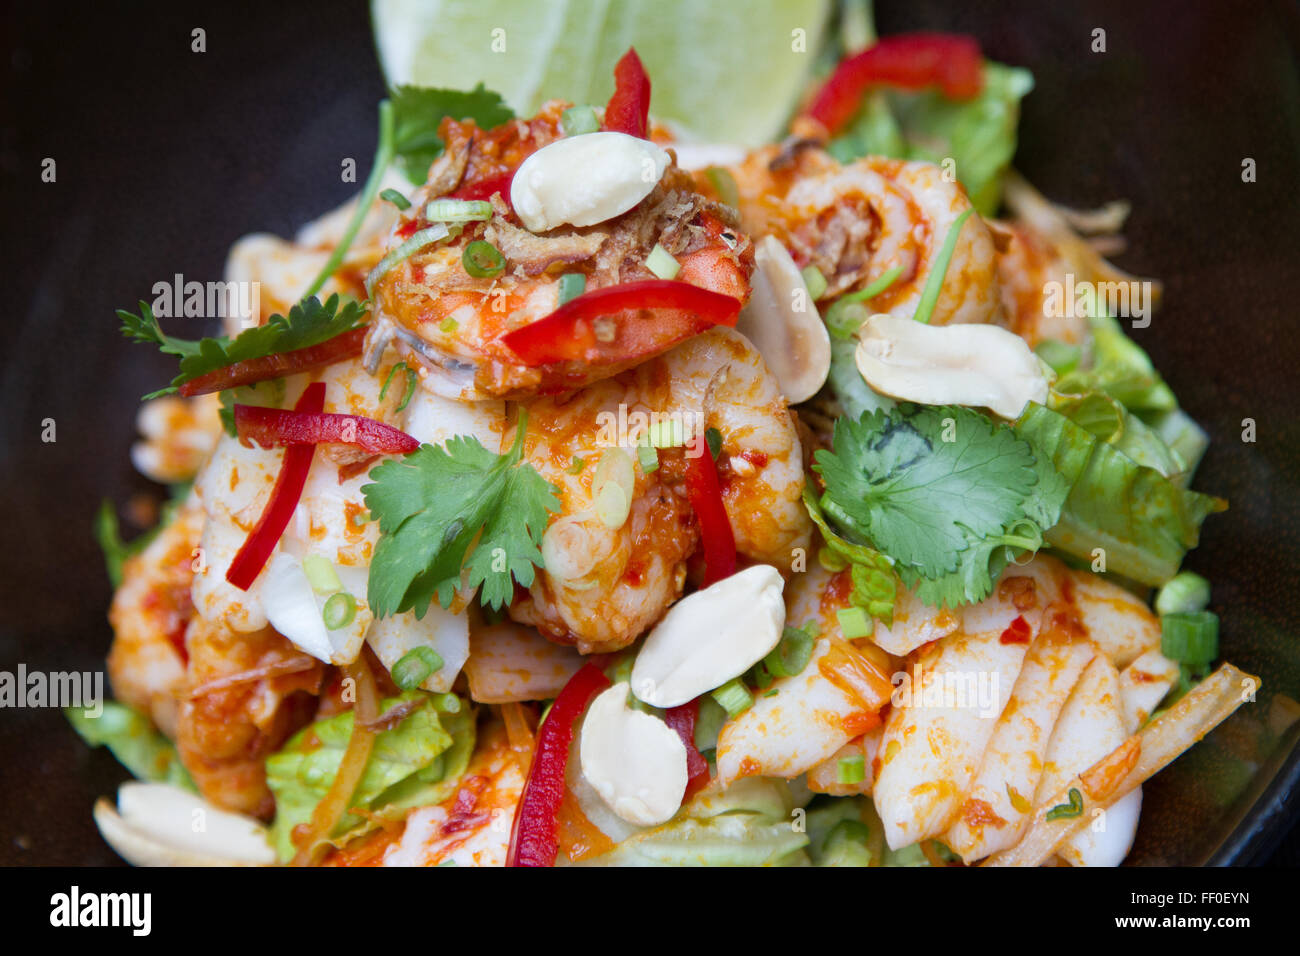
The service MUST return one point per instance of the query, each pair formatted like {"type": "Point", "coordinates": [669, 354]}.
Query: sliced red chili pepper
{"type": "Point", "coordinates": [1018, 632]}
{"type": "Point", "coordinates": [484, 188]}
{"type": "Point", "coordinates": [266, 367]}
{"type": "Point", "coordinates": [534, 840]}
{"type": "Point", "coordinates": [682, 720]}
{"type": "Point", "coordinates": [273, 427]}
{"type": "Point", "coordinates": [911, 61]}
{"type": "Point", "coordinates": [705, 495]}
{"type": "Point", "coordinates": [628, 110]}
{"type": "Point", "coordinates": [621, 322]}
{"type": "Point", "coordinates": [252, 555]}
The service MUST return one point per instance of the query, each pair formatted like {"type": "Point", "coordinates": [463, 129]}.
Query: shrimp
{"type": "Point", "coordinates": [451, 323]}
{"type": "Point", "coordinates": [177, 436]}
{"type": "Point", "coordinates": [616, 582]}
{"type": "Point", "coordinates": [856, 223]}
{"type": "Point", "coordinates": [149, 614]}
{"type": "Point", "coordinates": [240, 703]}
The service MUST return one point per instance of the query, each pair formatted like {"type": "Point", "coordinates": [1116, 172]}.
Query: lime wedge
{"type": "Point", "coordinates": [720, 72]}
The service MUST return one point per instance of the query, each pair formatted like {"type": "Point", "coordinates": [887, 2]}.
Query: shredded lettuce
{"type": "Point", "coordinates": [846, 831]}
{"type": "Point", "coordinates": [1121, 369]}
{"type": "Point", "coordinates": [979, 135]}
{"type": "Point", "coordinates": [416, 763]}
{"type": "Point", "coordinates": [132, 739]}
{"type": "Point", "coordinates": [751, 823]}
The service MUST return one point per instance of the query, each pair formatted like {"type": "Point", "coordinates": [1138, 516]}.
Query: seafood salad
{"type": "Point", "coordinates": [579, 494]}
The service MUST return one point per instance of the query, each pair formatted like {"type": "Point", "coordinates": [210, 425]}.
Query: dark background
{"type": "Point", "coordinates": [165, 156]}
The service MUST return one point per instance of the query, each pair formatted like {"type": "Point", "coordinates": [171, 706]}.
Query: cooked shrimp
{"type": "Point", "coordinates": [855, 223]}
{"type": "Point", "coordinates": [176, 437]}
{"type": "Point", "coordinates": [150, 612]}
{"type": "Point", "coordinates": [618, 581]}
{"type": "Point", "coordinates": [451, 323]}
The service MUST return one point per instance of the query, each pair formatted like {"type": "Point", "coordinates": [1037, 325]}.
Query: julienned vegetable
{"type": "Point", "coordinates": [909, 60]}
{"type": "Point", "coordinates": [534, 840]}
{"type": "Point", "coordinates": [622, 322]}
{"type": "Point", "coordinates": [252, 556]}
{"type": "Point", "coordinates": [682, 720]}
{"type": "Point", "coordinates": [705, 493]}
{"type": "Point", "coordinates": [274, 427]}
{"type": "Point", "coordinates": [628, 110]}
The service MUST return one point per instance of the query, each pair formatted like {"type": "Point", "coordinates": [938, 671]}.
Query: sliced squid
{"type": "Point", "coordinates": [825, 777]}
{"type": "Point", "coordinates": [1143, 684]}
{"type": "Point", "coordinates": [1121, 623]}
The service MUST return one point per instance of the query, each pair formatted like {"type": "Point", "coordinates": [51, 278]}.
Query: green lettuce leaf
{"type": "Point", "coordinates": [978, 134]}
{"type": "Point", "coordinates": [416, 763]}
{"type": "Point", "coordinates": [133, 740]}
{"type": "Point", "coordinates": [1144, 522]}
{"type": "Point", "coordinates": [1121, 369]}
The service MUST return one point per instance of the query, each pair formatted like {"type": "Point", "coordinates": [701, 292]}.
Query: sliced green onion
{"type": "Point", "coordinates": [396, 198]}
{"type": "Point", "coordinates": [1062, 356]}
{"type": "Point", "coordinates": [661, 263]}
{"type": "Point", "coordinates": [339, 611]}
{"type": "Point", "coordinates": [1064, 811]}
{"type": "Point", "coordinates": [458, 210]}
{"type": "Point", "coordinates": [734, 697]}
{"type": "Point", "coordinates": [576, 466]}
{"type": "Point", "coordinates": [1184, 592]}
{"type": "Point", "coordinates": [577, 120]}
{"type": "Point", "coordinates": [408, 248]}
{"type": "Point", "coordinates": [843, 319]}
{"type": "Point", "coordinates": [448, 703]}
{"type": "Point", "coordinates": [321, 574]}
{"type": "Point", "coordinates": [648, 456]}
{"type": "Point", "coordinates": [714, 439]}
{"type": "Point", "coordinates": [615, 466]}
{"type": "Point", "coordinates": [854, 622]}
{"type": "Point", "coordinates": [412, 380]}
{"type": "Point", "coordinates": [572, 285]}
{"type": "Point", "coordinates": [814, 281]}
{"type": "Point", "coordinates": [724, 184]}
{"type": "Point", "coordinates": [1190, 637]}
{"type": "Point", "coordinates": [876, 286]}
{"type": "Point", "coordinates": [667, 433]}
{"type": "Point", "coordinates": [415, 667]}
{"type": "Point", "coordinates": [760, 676]}
{"type": "Point", "coordinates": [612, 505]}
{"type": "Point", "coordinates": [482, 260]}
{"type": "Point", "coordinates": [934, 282]}
{"type": "Point", "coordinates": [448, 325]}
{"type": "Point", "coordinates": [851, 770]}
{"type": "Point", "coordinates": [791, 655]}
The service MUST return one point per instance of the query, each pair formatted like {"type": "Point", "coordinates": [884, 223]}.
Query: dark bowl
{"type": "Point", "coordinates": [164, 156]}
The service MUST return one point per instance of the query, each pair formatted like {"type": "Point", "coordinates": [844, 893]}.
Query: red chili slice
{"type": "Point", "coordinates": [622, 322]}
{"type": "Point", "coordinates": [261, 541]}
{"type": "Point", "coordinates": [628, 110]}
{"type": "Point", "coordinates": [682, 720]}
{"type": "Point", "coordinates": [274, 427]}
{"type": "Point", "coordinates": [534, 840]}
{"type": "Point", "coordinates": [705, 494]}
{"type": "Point", "coordinates": [266, 367]}
{"type": "Point", "coordinates": [911, 61]}
{"type": "Point", "coordinates": [1018, 632]}
{"type": "Point", "coordinates": [484, 188]}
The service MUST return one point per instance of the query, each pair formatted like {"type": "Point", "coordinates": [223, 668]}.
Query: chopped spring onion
{"type": "Point", "coordinates": [851, 770]}
{"type": "Point", "coordinates": [482, 260]}
{"type": "Point", "coordinates": [1184, 592]}
{"type": "Point", "coordinates": [791, 655]}
{"type": "Point", "coordinates": [615, 466]}
{"type": "Point", "coordinates": [734, 697]}
{"type": "Point", "coordinates": [448, 703]}
{"type": "Point", "coordinates": [724, 184]}
{"type": "Point", "coordinates": [661, 263]}
{"type": "Point", "coordinates": [714, 439]}
{"type": "Point", "coordinates": [666, 434]}
{"type": "Point", "coordinates": [576, 466]}
{"type": "Point", "coordinates": [572, 285]}
{"type": "Point", "coordinates": [415, 667]}
{"type": "Point", "coordinates": [1190, 637]}
{"type": "Point", "coordinates": [1061, 356]}
{"type": "Point", "coordinates": [408, 248]}
{"type": "Point", "coordinates": [412, 380]}
{"type": "Point", "coordinates": [396, 198]}
{"type": "Point", "coordinates": [1066, 810]}
{"type": "Point", "coordinates": [877, 286]}
{"type": "Point", "coordinates": [815, 281]}
{"type": "Point", "coordinates": [648, 456]}
{"type": "Point", "coordinates": [577, 120]}
{"type": "Point", "coordinates": [321, 574]}
{"type": "Point", "coordinates": [843, 319]}
{"type": "Point", "coordinates": [448, 325]}
{"type": "Point", "coordinates": [339, 611]}
{"type": "Point", "coordinates": [458, 210]}
{"type": "Point", "coordinates": [934, 282]}
{"type": "Point", "coordinates": [854, 622]}
{"type": "Point", "coordinates": [612, 505]}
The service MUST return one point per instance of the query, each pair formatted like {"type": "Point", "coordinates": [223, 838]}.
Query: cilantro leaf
{"type": "Point", "coordinates": [875, 586]}
{"type": "Point", "coordinates": [308, 323]}
{"type": "Point", "coordinates": [418, 111]}
{"type": "Point", "coordinates": [924, 483]}
{"type": "Point", "coordinates": [436, 503]}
